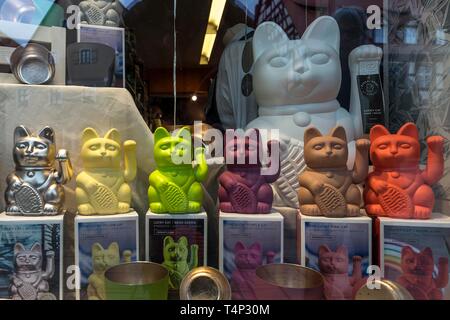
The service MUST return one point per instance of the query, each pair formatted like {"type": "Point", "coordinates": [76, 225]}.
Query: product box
{"type": "Point", "coordinates": [416, 252]}
{"type": "Point", "coordinates": [247, 241]}
{"type": "Point", "coordinates": [178, 241]}
{"type": "Point", "coordinates": [350, 237]}
{"type": "Point", "coordinates": [102, 242]}
{"type": "Point", "coordinates": [31, 248]}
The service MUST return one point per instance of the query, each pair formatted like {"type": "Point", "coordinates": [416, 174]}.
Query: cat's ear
{"type": "Point", "coordinates": [323, 249]}
{"type": "Point", "coordinates": [168, 240]}
{"type": "Point", "coordinates": [409, 129]}
{"type": "Point", "coordinates": [183, 241]}
{"type": "Point", "coordinates": [21, 132]}
{"type": "Point", "coordinates": [268, 35]}
{"type": "Point", "coordinates": [114, 135]}
{"type": "Point", "coordinates": [36, 248]}
{"type": "Point", "coordinates": [96, 247]}
{"type": "Point", "coordinates": [342, 250]}
{"type": "Point", "coordinates": [325, 29]}
{"type": "Point", "coordinates": [88, 134]}
{"type": "Point", "coordinates": [311, 133]}
{"type": "Point", "coordinates": [339, 132]}
{"type": "Point", "coordinates": [47, 133]}
{"type": "Point", "coordinates": [239, 246]}
{"type": "Point", "coordinates": [378, 131]}
{"type": "Point", "coordinates": [428, 252]}
{"type": "Point", "coordinates": [161, 133]}
{"type": "Point", "coordinates": [18, 247]}
{"type": "Point", "coordinates": [114, 247]}
{"type": "Point", "coordinates": [256, 246]}
{"type": "Point", "coordinates": [407, 251]}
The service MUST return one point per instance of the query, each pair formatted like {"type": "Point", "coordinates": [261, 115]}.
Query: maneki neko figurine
{"type": "Point", "coordinates": [35, 188]}
{"type": "Point", "coordinates": [327, 187]}
{"type": "Point", "coordinates": [175, 186]}
{"type": "Point", "coordinates": [397, 187]}
{"type": "Point", "coordinates": [103, 186]}
{"type": "Point", "coordinates": [243, 187]}
{"type": "Point", "coordinates": [296, 84]}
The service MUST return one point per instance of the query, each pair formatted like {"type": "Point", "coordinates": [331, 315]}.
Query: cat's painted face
{"type": "Point", "coordinates": [28, 260]}
{"type": "Point", "coordinates": [34, 150]}
{"type": "Point", "coordinates": [333, 262]}
{"type": "Point", "coordinates": [103, 259]}
{"type": "Point", "coordinates": [325, 151]}
{"type": "Point", "coordinates": [170, 147]}
{"type": "Point", "coordinates": [99, 152]}
{"type": "Point", "coordinates": [175, 251]}
{"type": "Point", "coordinates": [421, 263]}
{"type": "Point", "coordinates": [243, 150]}
{"type": "Point", "coordinates": [247, 258]}
{"type": "Point", "coordinates": [294, 72]}
{"type": "Point", "coordinates": [401, 150]}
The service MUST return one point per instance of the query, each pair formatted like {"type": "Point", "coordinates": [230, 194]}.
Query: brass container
{"type": "Point", "coordinates": [288, 282]}
{"type": "Point", "coordinates": [205, 283]}
{"type": "Point", "coordinates": [388, 290]}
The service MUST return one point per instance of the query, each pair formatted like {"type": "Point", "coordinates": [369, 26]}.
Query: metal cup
{"type": "Point", "coordinates": [205, 283]}
{"type": "Point", "coordinates": [33, 64]}
{"type": "Point", "coordinates": [288, 282]}
{"type": "Point", "coordinates": [137, 281]}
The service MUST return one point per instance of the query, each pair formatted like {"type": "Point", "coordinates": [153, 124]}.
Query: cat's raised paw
{"type": "Point", "coordinates": [435, 143]}
{"type": "Point", "coordinates": [363, 144]}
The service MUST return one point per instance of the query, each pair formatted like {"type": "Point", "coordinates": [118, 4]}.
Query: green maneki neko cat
{"type": "Point", "coordinates": [175, 186]}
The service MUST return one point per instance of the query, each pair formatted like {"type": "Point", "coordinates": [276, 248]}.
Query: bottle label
{"type": "Point", "coordinates": [372, 102]}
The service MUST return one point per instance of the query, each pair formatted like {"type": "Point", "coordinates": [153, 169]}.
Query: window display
{"type": "Point", "coordinates": [224, 150]}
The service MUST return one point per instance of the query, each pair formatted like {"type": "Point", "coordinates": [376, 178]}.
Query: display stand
{"type": "Point", "coordinates": [394, 235]}
{"type": "Point", "coordinates": [114, 238]}
{"type": "Point", "coordinates": [23, 233]}
{"type": "Point", "coordinates": [354, 234]}
{"type": "Point", "coordinates": [263, 230]}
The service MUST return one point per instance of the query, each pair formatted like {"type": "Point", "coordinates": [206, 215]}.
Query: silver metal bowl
{"type": "Point", "coordinates": [205, 283]}
{"type": "Point", "coordinates": [33, 64]}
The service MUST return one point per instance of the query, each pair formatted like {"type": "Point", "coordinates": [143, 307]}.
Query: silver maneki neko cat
{"type": "Point", "coordinates": [36, 186]}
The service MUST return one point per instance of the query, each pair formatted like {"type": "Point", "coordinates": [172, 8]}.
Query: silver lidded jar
{"type": "Point", "coordinates": [33, 64]}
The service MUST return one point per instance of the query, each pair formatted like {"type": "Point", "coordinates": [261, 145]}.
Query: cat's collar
{"type": "Point", "coordinates": [409, 169]}
{"type": "Point", "coordinates": [324, 170]}
{"type": "Point", "coordinates": [321, 107]}
{"type": "Point", "coordinates": [29, 168]}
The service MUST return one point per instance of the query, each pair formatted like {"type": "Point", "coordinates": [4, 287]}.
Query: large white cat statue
{"type": "Point", "coordinates": [296, 83]}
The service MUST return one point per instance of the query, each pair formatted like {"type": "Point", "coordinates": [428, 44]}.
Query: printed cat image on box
{"type": "Point", "coordinates": [102, 260]}
{"type": "Point", "coordinates": [417, 258]}
{"type": "Point", "coordinates": [176, 259]}
{"type": "Point", "coordinates": [30, 261]}
{"type": "Point", "coordinates": [419, 277]}
{"type": "Point", "coordinates": [29, 281]}
{"type": "Point", "coordinates": [247, 260]}
{"type": "Point", "coordinates": [334, 266]}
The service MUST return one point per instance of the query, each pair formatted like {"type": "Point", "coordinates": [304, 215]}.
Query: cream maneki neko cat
{"type": "Point", "coordinates": [103, 186]}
